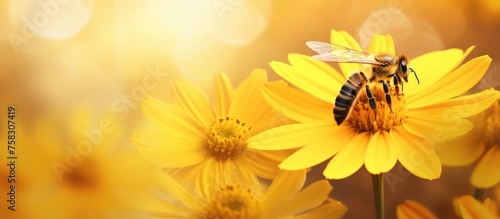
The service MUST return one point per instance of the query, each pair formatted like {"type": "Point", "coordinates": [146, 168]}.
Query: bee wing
{"type": "Point", "coordinates": [336, 53]}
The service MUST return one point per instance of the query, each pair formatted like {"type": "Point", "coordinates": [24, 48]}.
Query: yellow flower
{"type": "Point", "coordinates": [413, 210]}
{"type": "Point", "coordinates": [284, 198]}
{"type": "Point", "coordinates": [79, 163]}
{"type": "Point", "coordinates": [198, 144]}
{"type": "Point", "coordinates": [469, 208]}
{"type": "Point", "coordinates": [422, 115]}
{"type": "Point", "coordinates": [465, 207]}
{"type": "Point", "coordinates": [482, 144]}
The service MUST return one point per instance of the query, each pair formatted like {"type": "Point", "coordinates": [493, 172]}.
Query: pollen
{"type": "Point", "coordinates": [227, 137]}
{"type": "Point", "coordinates": [365, 119]}
{"type": "Point", "coordinates": [233, 202]}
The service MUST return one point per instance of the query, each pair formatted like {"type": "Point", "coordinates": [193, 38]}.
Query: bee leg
{"type": "Point", "coordinates": [396, 82]}
{"type": "Point", "coordinates": [371, 100]}
{"type": "Point", "coordinates": [387, 95]}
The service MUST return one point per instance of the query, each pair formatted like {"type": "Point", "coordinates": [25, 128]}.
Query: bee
{"type": "Point", "coordinates": [384, 68]}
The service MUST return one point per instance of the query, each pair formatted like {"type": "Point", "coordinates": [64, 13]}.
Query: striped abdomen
{"type": "Point", "coordinates": [346, 97]}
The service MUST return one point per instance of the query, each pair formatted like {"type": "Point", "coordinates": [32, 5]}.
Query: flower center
{"type": "Point", "coordinates": [491, 128]}
{"type": "Point", "coordinates": [365, 119]}
{"type": "Point", "coordinates": [227, 137]}
{"type": "Point", "coordinates": [233, 202]}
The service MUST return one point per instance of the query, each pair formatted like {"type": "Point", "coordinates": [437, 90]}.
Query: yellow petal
{"type": "Point", "coordinates": [158, 207]}
{"type": "Point", "coordinates": [345, 39]}
{"type": "Point", "coordinates": [295, 104]}
{"type": "Point", "coordinates": [331, 209]}
{"type": "Point", "coordinates": [381, 44]}
{"type": "Point", "coordinates": [470, 208]}
{"type": "Point", "coordinates": [416, 155]}
{"type": "Point", "coordinates": [167, 150]}
{"type": "Point", "coordinates": [318, 150]}
{"type": "Point", "coordinates": [491, 206]}
{"type": "Point", "coordinates": [170, 118]}
{"type": "Point", "coordinates": [265, 163]}
{"type": "Point", "coordinates": [349, 159]}
{"type": "Point", "coordinates": [460, 151]}
{"type": "Point", "coordinates": [459, 107]}
{"type": "Point", "coordinates": [247, 96]}
{"type": "Point", "coordinates": [284, 186]}
{"type": "Point", "coordinates": [486, 174]}
{"type": "Point", "coordinates": [193, 100]}
{"type": "Point", "coordinates": [437, 129]}
{"type": "Point", "coordinates": [313, 68]}
{"type": "Point", "coordinates": [223, 94]}
{"type": "Point", "coordinates": [411, 210]}
{"type": "Point", "coordinates": [380, 154]}
{"type": "Point", "coordinates": [175, 190]}
{"type": "Point", "coordinates": [432, 67]}
{"type": "Point", "coordinates": [292, 136]}
{"type": "Point", "coordinates": [308, 198]}
{"type": "Point", "coordinates": [454, 84]}
{"type": "Point", "coordinates": [317, 83]}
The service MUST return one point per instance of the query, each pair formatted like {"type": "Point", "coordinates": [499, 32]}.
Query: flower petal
{"type": "Point", "coordinates": [193, 100]}
{"type": "Point", "coordinates": [410, 210]}
{"type": "Point", "coordinates": [223, 94]}
{"type": "Point", "coordinates": [292, 136]}
{"type": "Point", "coordinates": [170, 118]}
{"type": "Point", "coordinates": [284, 186]}
{"type": "Point", "coordinates": [345, 39]}
{"type": "Point", "coordinates": [216, 174]}
{"type": "Point", "coordinates": [381, 44]}
{"type": "Point", "coordinates": [437, 129]}
{"type": "Point", "coordinates": [309, 80]}
{"type": "Point", "coordinates": [295, 104]}
{"type": "Point", "coordinates": [328, 76]}
{"type": "Point", "coordinates": [167, 150]}
{"type": "Point", "coordinates": [486, 174]}
{"type": "Point", "coordinates": [454, 84]}
{"type": "Point", "coordinates": [319, 150]}
{"type": "Point", "coordinates": [331, 209]}
{"type": "Point", "coordinates": [460, 151]}
{"type": "Point", "coordinates": [459, 107]}
{"type": "Point", "coordinates": [174, 189]}
{"type": "Point", "coordinates": [247, 97]}
{"type": "Point", "coordinates": [380, 154]}
{"type": "Point", "coordinates": [470, 208]}
{"type": "Point", "coordinates": [416, 155]}
{"type": "Point", "coordinates": [432, 67]}
{"type": "Point", "coordinates": [315, 194]}
{"type": "Point", "coordinates": [349, 159]}
{"type": "Point", "coordinates": [265, 163]}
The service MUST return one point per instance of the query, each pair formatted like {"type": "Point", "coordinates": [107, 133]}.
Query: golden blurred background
{"type": "Point", "coordinates": [68, 66]}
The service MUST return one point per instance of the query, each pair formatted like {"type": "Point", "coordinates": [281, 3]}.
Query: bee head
{"type": "Point", "coordinates": [403, 68]}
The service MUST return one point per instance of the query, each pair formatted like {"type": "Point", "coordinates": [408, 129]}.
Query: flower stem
{"type": "Point", "coordinates": [478, 194]}
{"type": "Point", "coordinates": [378, 193]}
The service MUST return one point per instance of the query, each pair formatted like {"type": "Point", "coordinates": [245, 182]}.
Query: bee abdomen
{"type": "Point", "coordinates": [346, 97]}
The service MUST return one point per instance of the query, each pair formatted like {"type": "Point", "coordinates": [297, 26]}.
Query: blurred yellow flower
{"type": "Point", "coordinates": [482, 144]}
{"type": "Point", "coordinates": [465, 207]}
{"type": "Point", "coordinates": [469, 208]}
{"type": "Point", "coordinates": [61, 179]}
{"type": "Point", "coordinates": [198, 145]}
{"type": "Point", "coordinates": [284, 198]}
{"type": "Point", "coordinates": [413, 210]}
{"type": "Point", "coordinates": [424, 114]}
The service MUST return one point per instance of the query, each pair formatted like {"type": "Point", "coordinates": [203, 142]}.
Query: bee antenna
{"type": "Point", "coordinates": [415, 73]}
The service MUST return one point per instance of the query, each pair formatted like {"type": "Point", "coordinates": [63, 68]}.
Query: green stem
{"type": "Point", "coordinates": [478, 194]}
{"type": "Point", "coordinates": [378, 193]}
